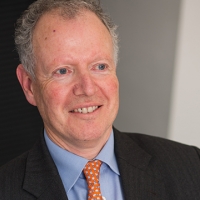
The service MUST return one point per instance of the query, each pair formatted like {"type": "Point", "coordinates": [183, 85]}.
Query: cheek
{"type": "Point", "coordinates": [57, 94]}
{"type": "Point", "coordinates": [54, 95]}
{"type": "Point", "coordinates": [113, 87]}
{"type": "Point", "coordinates": [46, 94]}
{"type": "Point", "coordinates": [110, 90]}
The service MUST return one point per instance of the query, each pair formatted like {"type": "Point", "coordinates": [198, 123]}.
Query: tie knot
{"type": "Point", "coordinates": [92, 169]}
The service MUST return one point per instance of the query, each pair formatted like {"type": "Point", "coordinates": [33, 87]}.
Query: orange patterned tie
{"type": "Point", "coordinates": [91, 172]}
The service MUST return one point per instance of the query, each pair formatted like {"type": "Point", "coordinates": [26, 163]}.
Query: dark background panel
{"type": "Point", "coordinates": [20, 123]}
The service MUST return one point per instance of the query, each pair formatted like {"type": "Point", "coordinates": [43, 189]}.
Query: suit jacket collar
{"type": "Point", "coordinates": [41, 177]}
{"type": "Point", "coordinates": [139, 176]}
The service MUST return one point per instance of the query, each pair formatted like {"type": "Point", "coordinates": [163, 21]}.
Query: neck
{"type": "Point", "coordinates": [86, 149]}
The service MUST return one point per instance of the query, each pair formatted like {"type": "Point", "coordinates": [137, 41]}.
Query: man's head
{"type": "Point", "coordinates": [74, 86]}
{"type": "Point", "coordinates": [67, 9]}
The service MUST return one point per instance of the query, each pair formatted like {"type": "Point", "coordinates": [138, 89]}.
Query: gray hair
{"type": "Point", "coordinates": [68, 9]}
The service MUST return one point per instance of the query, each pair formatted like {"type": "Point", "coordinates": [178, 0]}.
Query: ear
{"type": "Point", "coordinates": [26, 84]}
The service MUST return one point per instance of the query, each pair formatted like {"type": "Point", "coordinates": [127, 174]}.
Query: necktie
{"type": "Point", "coordinates": [91, 172]}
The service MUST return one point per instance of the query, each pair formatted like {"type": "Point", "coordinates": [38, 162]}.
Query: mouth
{"type": "Point", "coordinates": [85, 110]}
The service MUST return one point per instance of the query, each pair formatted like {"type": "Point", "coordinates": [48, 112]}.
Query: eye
{"type": "Point", "coordinates": [61, 71]}
{"type": "Point", "coordinates": [101, 66]}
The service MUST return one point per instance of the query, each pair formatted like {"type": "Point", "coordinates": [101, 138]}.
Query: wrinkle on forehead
{"type": "Point", "coordinates": [51, 25]}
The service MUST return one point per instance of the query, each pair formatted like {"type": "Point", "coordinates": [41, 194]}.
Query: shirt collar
{"type": "Point", "coordinates": [69, 162]}
{"type": "Point", "coordinates": [107, 154]}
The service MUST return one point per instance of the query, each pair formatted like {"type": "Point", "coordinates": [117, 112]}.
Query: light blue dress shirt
{"type": "Point", "coordinates": [70, 168]}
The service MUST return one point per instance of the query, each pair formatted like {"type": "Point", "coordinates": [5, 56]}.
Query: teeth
{"type": "Point", "coordinates": [90, 109]}
{"type": "Point", "coordinates": [86, 110]}
{"type": "Point", "coordinates": [79, 110]}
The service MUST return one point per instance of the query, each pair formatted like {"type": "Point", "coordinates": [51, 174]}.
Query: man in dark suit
{"type": "Point", "coordinates": [68, 51]}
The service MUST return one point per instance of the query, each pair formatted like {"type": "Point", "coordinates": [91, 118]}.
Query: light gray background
{"type": "Point", "coordinates": [147, 32]}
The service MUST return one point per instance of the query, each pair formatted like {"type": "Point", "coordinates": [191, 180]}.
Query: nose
{"type": "Point", "coordinates": [85, 85]}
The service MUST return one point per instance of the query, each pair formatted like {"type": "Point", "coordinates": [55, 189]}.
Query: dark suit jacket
{"type": "Point", "coordinates": [151, 168]}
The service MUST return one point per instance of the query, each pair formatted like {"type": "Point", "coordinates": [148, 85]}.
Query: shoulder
{"type": "Point", "coordinates": [12, 175]}
{"type": "Point", "coordinates": [163, 146]}
{"type": "Point", "coordinates": [174, 165]}
{"type": "Point", "coordinates": [14, 166]}
{"type": "Point", "coordinates": [162, 149]}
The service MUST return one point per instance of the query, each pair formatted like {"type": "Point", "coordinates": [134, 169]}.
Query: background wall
{"type": "Point", "coordinates": [158, 72]}
{"type": "Point", "coordinates": [148, 34]}
{"type": "Point", "coordinates": [159, 68]}
{"type": "Point", "coordinates": [184, 123]}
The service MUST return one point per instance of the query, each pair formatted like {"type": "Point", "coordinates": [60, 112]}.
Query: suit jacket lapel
{"type": "Point", "coordinates": [41, 177]}
{"type": "Point", "coordinates": [139, 178]}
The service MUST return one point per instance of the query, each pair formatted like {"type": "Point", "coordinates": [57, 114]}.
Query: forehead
{"type": "Point", "coordinates": [85, 33]}
{"type": "Point", "coordinates": [82, 19]}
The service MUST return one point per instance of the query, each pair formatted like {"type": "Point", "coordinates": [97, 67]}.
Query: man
{"type": "Point", "coordinates": [68, 51]}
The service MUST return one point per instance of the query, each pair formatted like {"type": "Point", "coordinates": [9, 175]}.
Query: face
{"type": "Point", "coordinates": [76, 88]}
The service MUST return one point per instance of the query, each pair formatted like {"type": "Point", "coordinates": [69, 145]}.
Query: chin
{"type": "Point", "coordinates": [95, 133]}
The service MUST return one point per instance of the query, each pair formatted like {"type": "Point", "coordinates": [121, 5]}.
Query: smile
{"type": "Point", "coordinates": [85, 110]}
